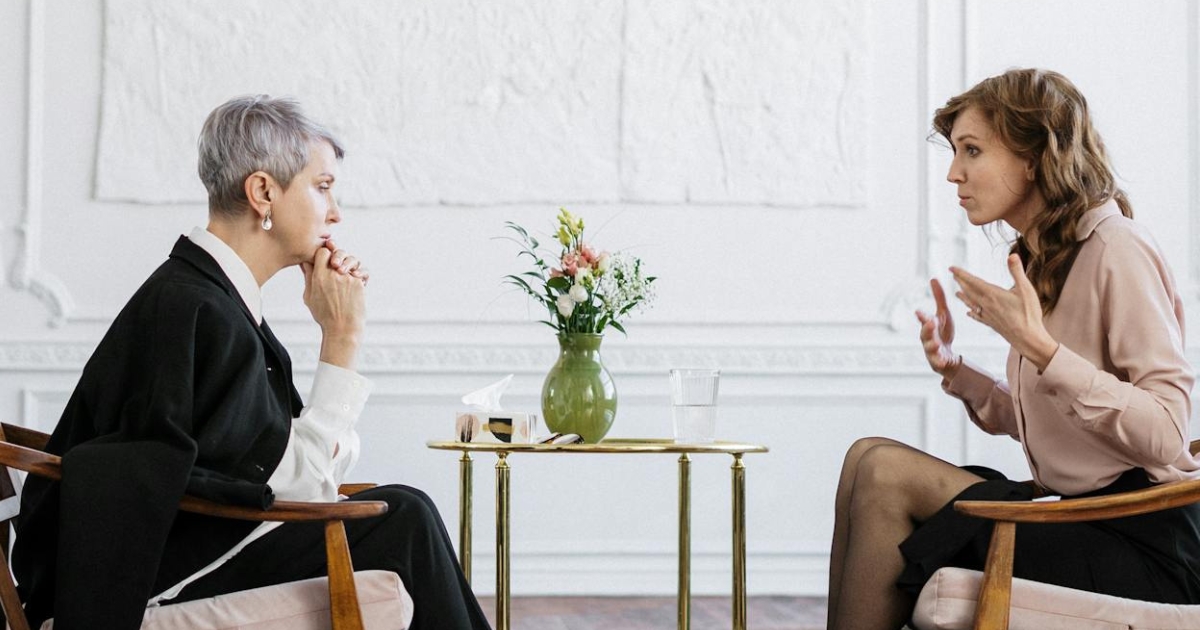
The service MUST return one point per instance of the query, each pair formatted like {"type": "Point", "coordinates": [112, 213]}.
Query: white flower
{"type": "Point", "coordinates": [583, 275]}
{"type": "Point", "coordinates": [624, 285]}
{"type": "Point", "coordinates": [603, 263]}
{"type": "Point", "coordinates": [565, 305]}
{"type": "Point", "coordinates": [578, 293]}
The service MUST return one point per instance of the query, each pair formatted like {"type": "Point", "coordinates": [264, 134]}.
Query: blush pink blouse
{"type": "Point", "coordinates": [1116, 395]}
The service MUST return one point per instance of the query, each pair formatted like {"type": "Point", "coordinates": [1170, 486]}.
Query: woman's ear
{"type": "Point", "coordinates": [260, 191]}
{"type": "Point", "coordinates": [1030, 170]}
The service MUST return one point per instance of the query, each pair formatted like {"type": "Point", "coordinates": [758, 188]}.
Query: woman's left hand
{"type": "Point", "coordinates": [1015, 313]}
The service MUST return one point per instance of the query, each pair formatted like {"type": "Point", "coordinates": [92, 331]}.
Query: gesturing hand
{"type": "Point", "coordinates": [1015, 313]}
{"type": "Point", "coordinates": [937, 333]}
{"type": "Point", "coordinates": [337, 302]}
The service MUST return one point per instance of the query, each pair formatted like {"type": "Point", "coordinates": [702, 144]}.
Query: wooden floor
{"type": "Point", "coordinates": [658, 613]}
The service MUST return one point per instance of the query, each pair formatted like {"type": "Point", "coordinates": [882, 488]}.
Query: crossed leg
{"type": "Point", "coordinates": [886, 488]}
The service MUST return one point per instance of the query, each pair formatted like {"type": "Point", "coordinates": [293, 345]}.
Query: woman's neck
{"type": "Point", "coordinates": [250, 242]}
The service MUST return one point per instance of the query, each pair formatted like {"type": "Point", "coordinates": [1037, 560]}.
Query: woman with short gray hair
{"type": "Point", "coordinates": [190, 392]}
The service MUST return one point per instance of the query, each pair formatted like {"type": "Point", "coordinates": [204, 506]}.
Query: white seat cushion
{"type": "Point", "coordinates": [948, 603]}
{"type": "Point", "coordinates": [302, 605]}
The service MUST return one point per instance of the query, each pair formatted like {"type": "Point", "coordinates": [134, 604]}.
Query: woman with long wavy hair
{"type": "Point", "coordinates": [1097, 388]}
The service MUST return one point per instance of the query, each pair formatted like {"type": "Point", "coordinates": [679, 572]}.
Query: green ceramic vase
{"type": "Point", "coordinates": [579, 395]}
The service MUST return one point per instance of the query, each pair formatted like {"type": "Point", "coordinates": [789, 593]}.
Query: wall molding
{"type": "Point", "coordinates": [936, 241]}
{"type": "Point", "coordinates": [27, 274]}
{"type": "Point", "coordinates": [424, 358]}
{"type": "Point", "coordinates": [32, 401]}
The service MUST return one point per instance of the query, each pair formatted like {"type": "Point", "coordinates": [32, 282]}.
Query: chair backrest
{"type": "Point", "coordinates": [1195, 447]}
{"type": "Point", "coordinates": [20, 449]}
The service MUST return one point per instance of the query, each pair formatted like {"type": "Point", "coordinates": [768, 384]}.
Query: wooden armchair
{"type": "Point", "coordinates": [376, 599]}
{"type": "Point", "coordinates": [1033, 605]}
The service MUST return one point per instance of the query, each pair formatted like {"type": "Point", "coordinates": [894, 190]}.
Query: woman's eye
{"type": "Point", "coordinates": [972, 151]}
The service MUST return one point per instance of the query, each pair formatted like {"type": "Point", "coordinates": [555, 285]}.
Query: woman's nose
{"type": "Point", "coordinates": [955, 175]}
{"type": "Point", "coordinates": [335, 211]}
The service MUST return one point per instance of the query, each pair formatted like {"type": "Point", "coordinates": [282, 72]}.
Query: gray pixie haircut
{"type": "Point", "coordinates": [254, 133]}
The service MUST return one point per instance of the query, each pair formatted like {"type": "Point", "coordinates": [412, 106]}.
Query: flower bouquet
{"type": "Point", "coordinates": [584, 291]}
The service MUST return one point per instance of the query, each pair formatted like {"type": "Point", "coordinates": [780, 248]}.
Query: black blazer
{"type": "Point", "coordinates": [185, 393]}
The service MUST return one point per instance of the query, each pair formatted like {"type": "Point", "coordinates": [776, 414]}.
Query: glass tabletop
{"type": "Point", "coordinates": [611, 445]}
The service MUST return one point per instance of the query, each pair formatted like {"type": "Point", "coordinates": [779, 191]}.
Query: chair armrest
{"type": "Point", "coordinates": [351, 489]}
{"type": "Point", "coordinates": [1161, 497]}
{"type": "Point", "coordinates": [50, 466]}
{"type": "Point", "coordinates": [32, 461]}
{"type": "Point", "coordinates": [287, 511]}
{"type": "Point", "coordinates": [22, 436]}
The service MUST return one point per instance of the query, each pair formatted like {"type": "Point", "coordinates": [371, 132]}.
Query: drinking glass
{"type": "Point", "coordinates": [694, 404]}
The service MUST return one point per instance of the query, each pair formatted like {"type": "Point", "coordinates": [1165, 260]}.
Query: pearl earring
{"type": "Point", "coordinates": [266, 223]}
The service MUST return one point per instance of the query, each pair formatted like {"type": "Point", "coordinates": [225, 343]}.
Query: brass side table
{"type": "Point", "coordinates": [624, 446]}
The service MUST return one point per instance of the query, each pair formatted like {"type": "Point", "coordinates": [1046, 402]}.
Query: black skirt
{"type": "Point", "coordinates": [1151, 557]}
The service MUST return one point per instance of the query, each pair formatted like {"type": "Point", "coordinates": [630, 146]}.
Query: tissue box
{"type": "Point", "coordinates": [497, 426]}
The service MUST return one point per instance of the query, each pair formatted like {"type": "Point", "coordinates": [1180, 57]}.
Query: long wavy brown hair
{"type": "Point", "coordinates": [1041, 116]}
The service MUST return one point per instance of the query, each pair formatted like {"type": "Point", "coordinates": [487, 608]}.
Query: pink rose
{"type": "Point", "coordinates": [588, 254]}
{"type": "Point", "coordinates": [570, 264]}
{"type": "Point", "coordinates": [556, 273]}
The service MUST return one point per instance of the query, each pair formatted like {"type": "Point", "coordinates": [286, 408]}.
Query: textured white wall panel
{"type": "Point", "coordinates": [746, 102]}
{"type": "Point", "coordinates": [461, 101]}
{"type": "Point", "coordinates": [522, 101]}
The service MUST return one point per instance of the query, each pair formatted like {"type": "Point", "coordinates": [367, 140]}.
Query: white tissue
{"type": "Point", "coordinates": [488, 398]}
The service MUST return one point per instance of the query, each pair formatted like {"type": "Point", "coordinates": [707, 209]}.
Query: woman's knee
{"type": "Point", "coordinates": [401, 498]}
{"type": "Point", "coordinates": [861, 446]}
{"type": "Point", "coordinates": [882, 474]}
{"type": "Point", "coordinates": [905, 480]}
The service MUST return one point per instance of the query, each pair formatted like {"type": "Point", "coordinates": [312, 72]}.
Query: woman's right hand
{"type": "Point", "coordinates": [937, 334]}
{"type": "Point", "coordinates": [336, 298]}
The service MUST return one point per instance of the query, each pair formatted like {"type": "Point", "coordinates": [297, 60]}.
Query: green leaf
{"type": "Point", "coordinates": [561, 283]}
{"type": "Point", "coordinates": [520, 230]}
{"type": "Point", "coordinates": [519, 281]}
{"type": "Point", "coordinates": [619, 327]}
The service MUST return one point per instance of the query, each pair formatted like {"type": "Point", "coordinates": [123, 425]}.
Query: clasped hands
{"type": "Point", "coordinates": [1014, 313]}
{"type": "Point", "coordinates": [334, 283]}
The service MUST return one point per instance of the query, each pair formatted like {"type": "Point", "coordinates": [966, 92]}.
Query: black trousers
{"type": "Point", "coordinates": [410, 540]}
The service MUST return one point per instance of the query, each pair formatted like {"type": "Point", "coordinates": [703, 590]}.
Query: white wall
{"type": "Point", "coordinates": [767, 160]}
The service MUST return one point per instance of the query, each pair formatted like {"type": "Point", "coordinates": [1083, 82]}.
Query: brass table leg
{"type": "Point", "coordinates": [502, 593]}
{"type": "Point", "coordinates": [685, 542]}
{"type": "Point", "coordinates": [739, 542]}
{"type": "Point", "coordinates": [465, 496]}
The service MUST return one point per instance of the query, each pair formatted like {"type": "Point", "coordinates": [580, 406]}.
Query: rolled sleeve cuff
{"type": "Point", "coordinates": [970, 382]}
{"type": "Point", "coordinates": [1067, 378]}
{"type": "Point", "coordinates": [340, 393]}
